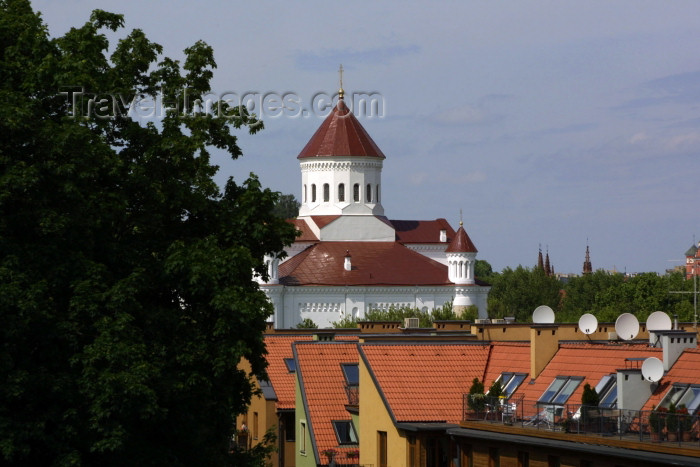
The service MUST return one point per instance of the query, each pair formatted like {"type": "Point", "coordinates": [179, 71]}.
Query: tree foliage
{"type": "Point", "coordinates": [126, 294]}
{"type": "Point", "coordinates": [287, 207]}
{"type": "Point", "coordinates": [517, 292]}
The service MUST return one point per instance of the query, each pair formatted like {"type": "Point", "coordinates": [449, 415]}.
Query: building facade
{"type": "Point", "coordinates": [349, 257]}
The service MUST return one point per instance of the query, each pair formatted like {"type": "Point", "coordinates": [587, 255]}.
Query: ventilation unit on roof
{"type": "Point", "coordinates": [498, 321]}
{"type": "Point", "coordinates": [411, 323]}
{"type": "Point", "coordinates": [482, 321]}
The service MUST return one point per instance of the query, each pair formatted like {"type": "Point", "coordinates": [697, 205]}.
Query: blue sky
{"type": "Point", "coordinates": [546, 122]}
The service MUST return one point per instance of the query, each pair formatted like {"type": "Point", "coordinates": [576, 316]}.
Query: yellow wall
{"type": "Point", "coordinates": [374, 417]}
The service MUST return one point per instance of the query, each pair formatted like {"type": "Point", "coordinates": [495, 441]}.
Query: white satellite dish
{"type": "Point", "coordinates": [588, 323]}
{"type": "Point", "coordinates": [543, 315]}
{"type": "Point", "coordinates": [652, 369]}
{"type": "Point", "coordinates": [659, 321]}
{"type": "Point", "coordinates": [627, 326]}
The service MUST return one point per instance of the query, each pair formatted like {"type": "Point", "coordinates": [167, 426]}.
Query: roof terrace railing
{"type": "Point", "coordinates": [640, 425]}
{"type": "Point", "coordinates": [353, 393]}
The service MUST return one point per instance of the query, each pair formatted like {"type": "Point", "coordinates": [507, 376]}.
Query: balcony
{"type": "Point", "coordinates": [572, 420]}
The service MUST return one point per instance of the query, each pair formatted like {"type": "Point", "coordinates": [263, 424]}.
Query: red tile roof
{"type": "Point", "coordinates": [589, 360]}
{"type": "Point", "coordinates": [462, 243]}
{"type": "Point", "coordinates": [307, 234]}
{"type": "Point", "coordinates": [425, 382]}
{"type": "Point", "coordinates": [373, 263]}
{"type": "Point", "coordinates": [282, 381]}
{"type": "Point", "coordinates": [685, 370]}
{"type": "Point", "coordinates": [323, 389]}
{"type": "Point", "coordinates": [422, 231]}
{"type": "Point", "coordinates": [341, 134]}
{"type": "Point", "coordinates": [322, 221]}
{"type": "Point", "coordinates": [506, 357]}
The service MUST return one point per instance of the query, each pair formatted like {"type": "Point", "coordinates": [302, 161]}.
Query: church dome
{"type": "Point", "coordinates": [341, 134]}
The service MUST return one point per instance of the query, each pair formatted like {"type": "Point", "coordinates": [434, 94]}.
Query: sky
{"type": "Point", "coordinates": [547, 124]}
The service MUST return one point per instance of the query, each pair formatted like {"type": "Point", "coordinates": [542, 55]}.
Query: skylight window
{"type": "Point", "coordinates": [607, 391]}
{"type": "Point", "coordinates": [351, 372]}
{"type": "Point", "coordinates": [345, 431]}
{"type": "Point", "coordinates": [511, 381]}
{"type": "Point", "coordinates": [291, 364]}
{"type": "Point", "coordinates": [560, 390]}
{"type": "Point", "coordinates": [686, 394]}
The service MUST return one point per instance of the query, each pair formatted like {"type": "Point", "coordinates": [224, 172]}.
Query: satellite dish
{"type": "Point", "coordinates": [652, 369]}
{"type": "Point", "coordinates": [659, 321]}
{"type": "Point", "coordinates": [588, 323]}
{"type": "Point", "coordinates": [543, 315]}
{"type": "Point", "coordinates": [627, 326]}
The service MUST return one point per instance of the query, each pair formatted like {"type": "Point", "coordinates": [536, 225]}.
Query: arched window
{"type": "Point", "coordinates": [326, 193]}
{"type": "Point", "coordinates": [369, 193]}
{"type": "Point", "coordinates": [356, 192]}
{"type": "Point", "coordinates": [304, 192]}
{"type": "Point", "coordinates": [313, 193]}
{"type": "Point", "coordinates": [341, 192]}
{"type": "Point", "coordinates": [378, 199]}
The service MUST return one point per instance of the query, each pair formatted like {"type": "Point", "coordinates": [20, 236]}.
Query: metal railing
{"type": "Point", "coordinates": [638, 425]}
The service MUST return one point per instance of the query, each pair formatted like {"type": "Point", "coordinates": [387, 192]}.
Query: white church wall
{"type": "Point", "coordinates": [325, 305]}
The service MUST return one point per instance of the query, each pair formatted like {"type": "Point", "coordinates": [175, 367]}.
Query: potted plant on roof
{"type": "Point", "coordinates": [353, 455]}
{"type": "Point", "coordinates": [330, 454]}
{"type": "Point", "coordinates": [495, 400]}
{"type": "Point", "coordinates": [685, 421]}
{"type": "Point", "coordinates": [589, 408]}
{"type": "Point", "coordinates": [672, 426]}
{"type": "Point", "coordinates": [657, 422]}
{"type": "Point", "coordinates": [476, 399]}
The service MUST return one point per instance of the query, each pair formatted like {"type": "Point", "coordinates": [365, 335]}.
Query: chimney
{"type": "Point", "coordinates": [673, 343]}
{"type": "Point", "coordinates": [348, 263]}
{"type": "Point", "coordinates": [632, 389]}
{"type": "Point", "coordinates": [443, 235]}
{"type": "Point", "coordinates": [544, 343]}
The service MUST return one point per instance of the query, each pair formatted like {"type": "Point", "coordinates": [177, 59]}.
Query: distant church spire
{"type": "Point", "coordinates": [540, 261]}
{"type": "Point", "coordinates": [547, 267]}
{"type": "Point", "coordinates": [587, 267]}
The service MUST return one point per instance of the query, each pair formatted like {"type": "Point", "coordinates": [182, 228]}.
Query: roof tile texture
{"type": "Point", "coordinates": [283, 382]}
{"type": "Point", "coordinates": [373, 263]}
{"type": "Point", "coordinates": [589, 360]}
{"type": "Point", "coordinates": [685, 370]}
{"type": "Point", "coordinates": [320, 373]}
{"type": "Point", "coordinates": [341, 134]}
{"type": "Point", "coordinates": [425, 382]}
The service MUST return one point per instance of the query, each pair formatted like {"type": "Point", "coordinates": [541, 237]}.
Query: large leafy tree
{"type": "Point", "coordinates": [126, 296]}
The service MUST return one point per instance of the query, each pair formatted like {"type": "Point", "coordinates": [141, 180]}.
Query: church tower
{"type": "Point", "coordinates": [341, 174]}
{"type": "Point", "coordinates": [461, 259]}
{"type": "Point", "coordinates": [587, 267]}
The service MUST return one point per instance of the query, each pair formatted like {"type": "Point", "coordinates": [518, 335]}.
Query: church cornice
{"type": "Point", "coordinates": [326, 165]}
{"type": "Point", "coordinates": [321, 290]}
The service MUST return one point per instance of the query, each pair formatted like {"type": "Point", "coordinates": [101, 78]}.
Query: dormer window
{"type": "Point", "coordinates": [607, 391]}
{"type": "Point", "coordinates": [345, 431]}
{"type": "Point", "coordinates": [683, 393]}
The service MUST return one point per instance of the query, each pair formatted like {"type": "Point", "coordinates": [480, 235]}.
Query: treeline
{"type": "Point", "coordinates": [517, 292]}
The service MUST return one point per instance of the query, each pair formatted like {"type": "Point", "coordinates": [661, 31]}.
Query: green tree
{"type": "Point", "coordinates": [286, 207]}
{"type": "Point", "coordinates": [307, 323]}
{"type": "Point", "coordinates": [517, 292]}
{"type": "Point", "coordinates": [126, 294]}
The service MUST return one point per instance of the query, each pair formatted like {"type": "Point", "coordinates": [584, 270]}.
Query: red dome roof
{"type": "Point", "coordinates": [341, 134]}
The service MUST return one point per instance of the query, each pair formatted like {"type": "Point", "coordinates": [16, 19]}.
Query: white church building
{"type": "Point", "coordinates": [350, 258]}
